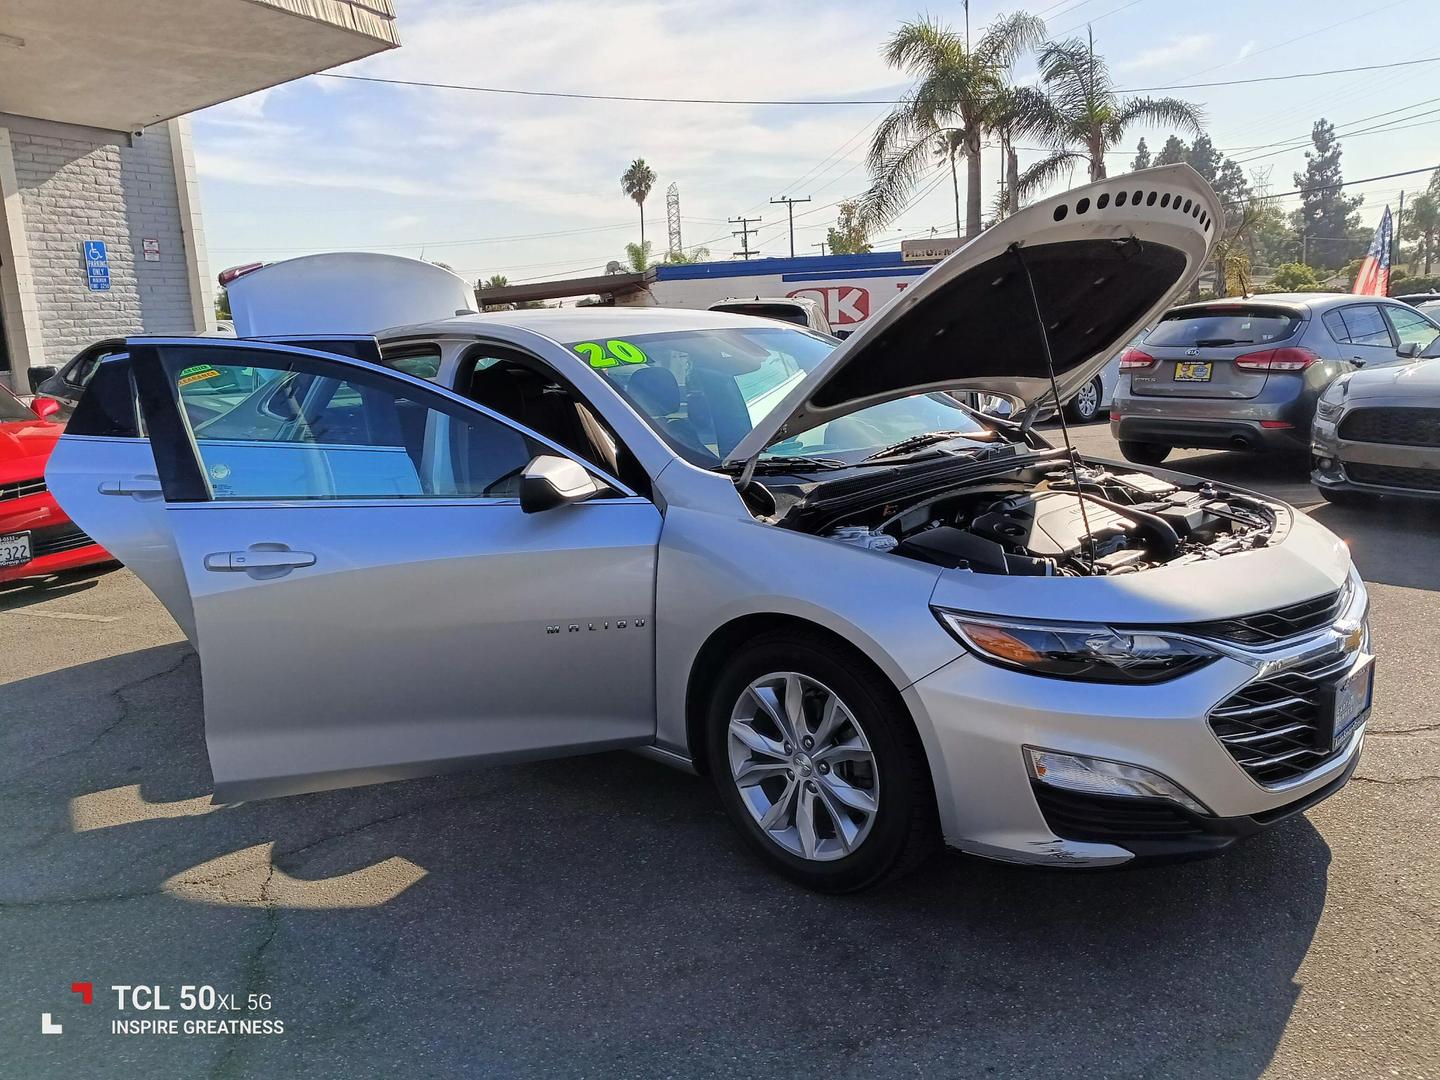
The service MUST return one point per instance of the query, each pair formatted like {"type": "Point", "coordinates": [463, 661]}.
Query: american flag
{"type": "Point", "coordinates": [1374, 276]}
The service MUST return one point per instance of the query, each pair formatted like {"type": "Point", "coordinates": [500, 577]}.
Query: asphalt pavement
{"type": "Point", "coordinates": [599, 916]}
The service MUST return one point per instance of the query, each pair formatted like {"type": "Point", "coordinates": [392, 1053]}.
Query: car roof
{"type": "Point", "coordinates": [798, 301]}
{"type": "Point", "coordinates": [581, 323]}
{"type": "Point", "coordinates": [1303, 302]}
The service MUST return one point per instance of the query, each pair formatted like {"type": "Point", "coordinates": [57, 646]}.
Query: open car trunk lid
{"type": "Point", "coordinates": [344, 292]}
{"type": "Point", "coordinates": [1106, 260]}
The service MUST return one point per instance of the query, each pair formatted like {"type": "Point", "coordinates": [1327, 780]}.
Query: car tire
{"type": "Point", "coordinates": [1144, 453]}
{"type": "Point", "coordinates": [1341, 497]}
{"type": "Point", "coordinates": [870, 753]}
{"type": "Point", "coordinates": [1084, 407]}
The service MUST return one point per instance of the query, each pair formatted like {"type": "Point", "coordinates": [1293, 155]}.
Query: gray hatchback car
{"type": "Point", "coordinates": [1245, 374]}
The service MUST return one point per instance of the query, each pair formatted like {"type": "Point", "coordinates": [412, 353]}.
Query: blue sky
{"type": "Point", "coordinates": [485, 182]}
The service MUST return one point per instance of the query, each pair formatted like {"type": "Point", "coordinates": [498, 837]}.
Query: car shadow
{"type": "Point", "coordinates": [600, 910]}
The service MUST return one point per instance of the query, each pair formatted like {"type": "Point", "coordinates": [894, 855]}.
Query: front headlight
{"type": "Point", "coordinates": [1332, 401]}
{"type": "Point", "coordinates": [1089, 653]}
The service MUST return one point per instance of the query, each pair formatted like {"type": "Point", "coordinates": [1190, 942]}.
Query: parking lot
{"type": "Point", "coordinates": [599, 916]}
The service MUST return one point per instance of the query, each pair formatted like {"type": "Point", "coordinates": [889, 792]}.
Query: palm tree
{"type": "Point", "coordinates": [1016, 112]}
{"type": "Point", "coordinates": [496, 281]}
{"type": "Point", "coordinates": [949, 145]}
{"type": "Point", "coordinates": [636, 182]}
{"type": "Point", "coordinates": [1084, 117]}
{"type": "Point", "coordinates": [956, 86]}
{"type": "Point", "coordinates": [1422, 221]}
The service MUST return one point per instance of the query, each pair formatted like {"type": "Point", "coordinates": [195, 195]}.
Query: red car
{"type": "Point", "coordinates": [36, 537]}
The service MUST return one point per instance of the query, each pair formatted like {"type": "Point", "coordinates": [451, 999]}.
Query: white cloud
{"type": "Point", "coordinates": [1176, 51]}
{"type": "Point", "coordinates": [1245, 50]}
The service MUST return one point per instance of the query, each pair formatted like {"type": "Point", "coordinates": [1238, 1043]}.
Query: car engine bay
{"type": "Point", "coordinates": [1029, 520]}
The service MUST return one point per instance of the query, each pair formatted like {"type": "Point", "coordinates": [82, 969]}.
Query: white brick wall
{"type": "Point", "coordinates": [76, 186]}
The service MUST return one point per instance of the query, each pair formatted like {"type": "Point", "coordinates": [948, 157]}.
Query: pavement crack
{"type": "Point", "coordinates": [228, 1064]}
{"type": "Point", "coordinates": [1397, 782]}
{"type": "Point", "coordinates": [364, 825]}
{"type": "Point", "coordinates": [122, 713]}
{"type": "Point", "coordinates": [1405, 731]}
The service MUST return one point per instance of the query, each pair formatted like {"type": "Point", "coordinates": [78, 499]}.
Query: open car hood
{"type": "Point", "coordinates": [1106, 260]}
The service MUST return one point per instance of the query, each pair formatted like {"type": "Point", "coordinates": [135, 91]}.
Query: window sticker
{"type": "Point", "coordinates": [613, 353]}
{"type": "Point", "coordinates": [197, 373]}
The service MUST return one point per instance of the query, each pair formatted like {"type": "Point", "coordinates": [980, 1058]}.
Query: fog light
{"type": "Point", "coordinates": [1327, 463]}
{"type": "Point", "coordinates": [1096, 776]}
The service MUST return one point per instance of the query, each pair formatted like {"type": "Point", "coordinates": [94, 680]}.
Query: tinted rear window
{"type": "Point", "coordinates": [783, 312]}
{"type": "Point", "coordinates": [1223, 326]}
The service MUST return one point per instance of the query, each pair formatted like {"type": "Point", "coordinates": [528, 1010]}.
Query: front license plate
{"type": "Point", "coordinates": [1193, 371]}
{"type": "Point", "coordinates": [1352, 702]}
{"type": "Point", "coordinates": [14, 549]}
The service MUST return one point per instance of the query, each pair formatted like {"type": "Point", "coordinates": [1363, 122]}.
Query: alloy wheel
{"type": "Point", "coordinates": [1087, 401]}
{"type": "Point", "coordinates": [803, 766]}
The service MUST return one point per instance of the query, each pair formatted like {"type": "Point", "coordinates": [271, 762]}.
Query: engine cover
{"type": "Point", "coordinates": [1049, 524]}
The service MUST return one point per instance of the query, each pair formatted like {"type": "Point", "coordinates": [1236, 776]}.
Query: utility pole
{"type": "Point", "coordinates": [821, 245]}
{"type": "Point", "coordinates": [1395, 235]}
{"type": "Point", "coordinates": [744, 233]}
{"type": "Point", "coordinates": [672, 218]}
{"type": "Point", "coordinates": [789, 204]}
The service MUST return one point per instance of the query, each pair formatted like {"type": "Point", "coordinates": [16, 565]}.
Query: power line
{"type": "Point", "coordinates": [1333, 187]}
{"type": "Point", "coordinates": [453, 243]}
{"type": "Point", "coordinates": [817, 102]}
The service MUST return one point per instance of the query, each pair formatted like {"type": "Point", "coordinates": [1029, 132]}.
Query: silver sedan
{"type": "Point", "coordinates": [877, 620]}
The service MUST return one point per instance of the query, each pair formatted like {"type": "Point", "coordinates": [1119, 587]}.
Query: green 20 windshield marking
{"type": "Point", "coordinates": [611, 354]}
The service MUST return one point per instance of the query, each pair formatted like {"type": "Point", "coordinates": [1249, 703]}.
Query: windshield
{"type": "Point", "coordinates": [704, 390]}
{"type": "Point", "coordinates": [11, 407]}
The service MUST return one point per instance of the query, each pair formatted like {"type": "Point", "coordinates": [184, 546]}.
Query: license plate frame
{"type": "Point", "coordinates": [1347, 705]}
{"type": "Point", "coordinates": [15, 550]}
{"type": "Point", "coordinates": [1194, 370]}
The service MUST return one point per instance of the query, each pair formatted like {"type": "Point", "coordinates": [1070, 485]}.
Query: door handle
{"type": "Point", "coordinates": [259, 559]}
{"type": "Point", "coordinates": [136, 485]}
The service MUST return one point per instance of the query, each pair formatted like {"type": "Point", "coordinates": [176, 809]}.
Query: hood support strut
{"type": "Point", "coordinates": [1018, 252]}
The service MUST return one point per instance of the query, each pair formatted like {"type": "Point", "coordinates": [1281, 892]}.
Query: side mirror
{"type": "Point", "coordinates": [843, 334]}
{"type": "Point", "coordinates": [40, 372]}
{"type": "Point", "coordinates": [550, 481]}
{"type": "Point", "coordinates": [1357, 361]}
{"type": "Point", "coordinates": [45, 407]}
{"type": "Point", "coordinates": [1409, 350]}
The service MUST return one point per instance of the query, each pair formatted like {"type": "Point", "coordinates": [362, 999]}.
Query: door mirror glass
{"type": "Point", "coordinates": [40, 372]}
{"type": "Point", "coordinates": [550, 481]}
{"type": "Point", "coordinates": [45, 407]}
{"type": "Point", "coordinates": [1409, 350]}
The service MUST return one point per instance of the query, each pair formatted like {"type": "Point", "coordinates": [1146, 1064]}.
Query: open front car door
{"type": "Point", "coordinates": [347, 548]}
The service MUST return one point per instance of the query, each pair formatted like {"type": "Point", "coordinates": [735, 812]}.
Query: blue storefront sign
{"type": "Point", "coordinates": [97, 265]}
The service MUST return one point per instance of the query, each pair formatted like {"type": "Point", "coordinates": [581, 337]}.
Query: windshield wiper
{"type": "Point", "coordinates": [916, 442]}
{"type": "Point", "coordinates": [1216, 342]}
{"type": "Point", "coordinates": [792, 461]}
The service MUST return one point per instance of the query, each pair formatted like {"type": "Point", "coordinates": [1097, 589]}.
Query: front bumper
{"type": "Point", "coordinates": [1411, 472]}
{"type": "Point", "coordinates": [976, 718]}
{"type": "Point", "coordinates": [57, 543]}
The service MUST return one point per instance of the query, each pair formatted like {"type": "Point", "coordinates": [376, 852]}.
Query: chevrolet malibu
{"type": "Point", "coordinates": [878, 621]}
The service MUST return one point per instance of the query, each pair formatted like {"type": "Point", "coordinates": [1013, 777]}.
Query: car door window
{"type": "Point", "coordinates": [271, 426]}
{"type": "Point", "coordinates": [1364, 325]}
{"type": "Point", "coordinates": [1411, 327]}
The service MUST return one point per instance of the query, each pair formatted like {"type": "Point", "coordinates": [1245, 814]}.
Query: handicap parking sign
{"type": "Point", "coordinates": [97, 265]}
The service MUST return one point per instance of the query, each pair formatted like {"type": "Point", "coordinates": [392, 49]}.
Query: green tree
{"type": "Point", "coordinates": [1421, 223]}
{"type": "Point", "coordinates": [1016, 111]}
{"type": "Point", "coordinates": [222, 304]}
{"type": "Point", "coordinates": [957, 85]}
{"type": "Point", "coordinates": [847, 235]}
{"type": "Point", "coordinates": [636, 182]}
{"type": "Point", "coordinates": [1086, 117]}
{"type": "Point", "coordinates": [496, 281]}
{"type": "Point", "coordinates": [1328, 220]}
{"type": "Point", "coordinates": [684, 258]}
{"type": "Point", "coordinates": [1294, 277]}
{"type": "Point", "coordinates": [949, 147]}
{"type": "Point", "coordinates": [1173, 152]}
{"type": "Point", "coordinates": [1142, 157]}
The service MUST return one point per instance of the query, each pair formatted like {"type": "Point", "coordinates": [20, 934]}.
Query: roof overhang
{"type": "Point", "coordinates": [123, 65]}
{"type": "Point", "coordinates": [614, 286]}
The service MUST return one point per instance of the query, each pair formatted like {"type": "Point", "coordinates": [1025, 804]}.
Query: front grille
{"type": "Point", "coordinates": [1268, 627]}
{"type": "Point", "coordinates": [1075, 815]}
{"type": "Point", "coordinates": [1394, 476]}
{"type": "Point", "coordinates": [21, 488]}
{"type": "Point", "coordinates": [1406, 427]}
{"type": "Point", "coordinates": [1272, 727]}
{"type": "Point", "coordinates": [54, 539]}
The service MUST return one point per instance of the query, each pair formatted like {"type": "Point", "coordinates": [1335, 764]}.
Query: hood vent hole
{"type": "Point", "coordinates": [1082, 206]}
{"type": "Point", "coordinates": [1120, 198]}
{"type": "Point", "coordinates": [1102, 202]}
{"type": "Point", "coordinates": [1061, 211]}
{"type": "Point", "coordinates": [1150, 201]}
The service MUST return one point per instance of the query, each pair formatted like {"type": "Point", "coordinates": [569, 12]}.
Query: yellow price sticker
{"type": "Point", "coordinates": [611, 354]}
